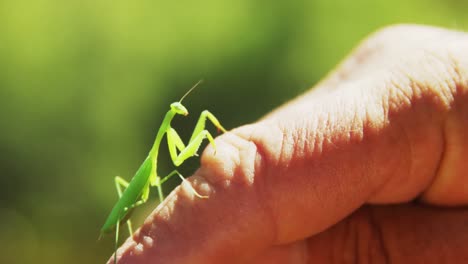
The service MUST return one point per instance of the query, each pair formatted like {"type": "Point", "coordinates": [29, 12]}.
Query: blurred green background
{"type": "Point", "coordinates": [84, 86]}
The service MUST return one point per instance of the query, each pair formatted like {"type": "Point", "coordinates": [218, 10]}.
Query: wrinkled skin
{"type": "Point", "coordinates": [370, 166]}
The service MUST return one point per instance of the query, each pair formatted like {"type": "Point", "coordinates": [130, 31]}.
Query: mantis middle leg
{"type": "Point", "coordinates": [175, 172]}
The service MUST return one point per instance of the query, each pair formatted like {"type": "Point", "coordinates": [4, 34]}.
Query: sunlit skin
{"type": "Point", "coordinates": [137, 191]}
{"type": "Point", "coordinates": [370, 166]}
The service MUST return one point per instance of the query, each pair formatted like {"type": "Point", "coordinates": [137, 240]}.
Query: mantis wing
{"type": "Point", "coordinates": [130, 196]}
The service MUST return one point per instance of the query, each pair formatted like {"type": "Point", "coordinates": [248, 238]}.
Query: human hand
{"type": "Point", "coordinates": [367, 167]}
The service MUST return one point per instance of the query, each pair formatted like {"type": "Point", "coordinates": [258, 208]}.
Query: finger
{"type": "Point", "coordinates": [186, 229]}
{"type": "Point", "coordinates": [423, 72]}
{"type": "Point", "coordinates": [387, 138]}
{"type": "Point", "coordinates": [313, 162]}
{"type": "Point", "coordinates": [394, 234]}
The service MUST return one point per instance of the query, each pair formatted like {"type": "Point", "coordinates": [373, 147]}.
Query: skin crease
{"type": "Point", "coordinates": [367, 167]}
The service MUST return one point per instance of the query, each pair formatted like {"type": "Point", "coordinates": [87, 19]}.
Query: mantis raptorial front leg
{"type": "Point", "coordinates": [198, 134]}
{"type": "Point", "coordinates": [202, 121]}
{"type": "Point", "coordinates": [175, 143]}
{"type": "Point", "coordinates": [119, 183]}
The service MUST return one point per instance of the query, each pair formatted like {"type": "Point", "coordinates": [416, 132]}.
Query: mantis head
{"type": "Point", "coordinates": [178, 108]}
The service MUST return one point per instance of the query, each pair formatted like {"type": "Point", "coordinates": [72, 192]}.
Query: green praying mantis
{"type": "Point", "coordinates": [136, 192]}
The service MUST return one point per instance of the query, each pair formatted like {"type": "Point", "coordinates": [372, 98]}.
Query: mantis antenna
{"type": "Point", "coordinates": [191, 89]}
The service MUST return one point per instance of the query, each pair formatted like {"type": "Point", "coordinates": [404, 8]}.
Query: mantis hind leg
{"type": "Point", "coordinates": [119, 183]}
{"type": "Point", "coordinates": [116, 242]}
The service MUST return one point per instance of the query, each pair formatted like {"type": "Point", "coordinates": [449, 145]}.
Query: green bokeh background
{"type": "Point", "coordinates": [84, 86]}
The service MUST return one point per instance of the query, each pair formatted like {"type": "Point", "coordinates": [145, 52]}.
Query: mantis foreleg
{"type": "Point", "coordinates": [202, 121]}
{"type": "Point", "coordinates": [193, 147]}
{"type": "Point", "coordinates": [174, 142]}
{"type": "Point", "coordinates": [199, 133]}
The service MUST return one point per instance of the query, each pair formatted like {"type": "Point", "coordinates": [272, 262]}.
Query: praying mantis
{"type": "Point", "coordinates": [137, 191]}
